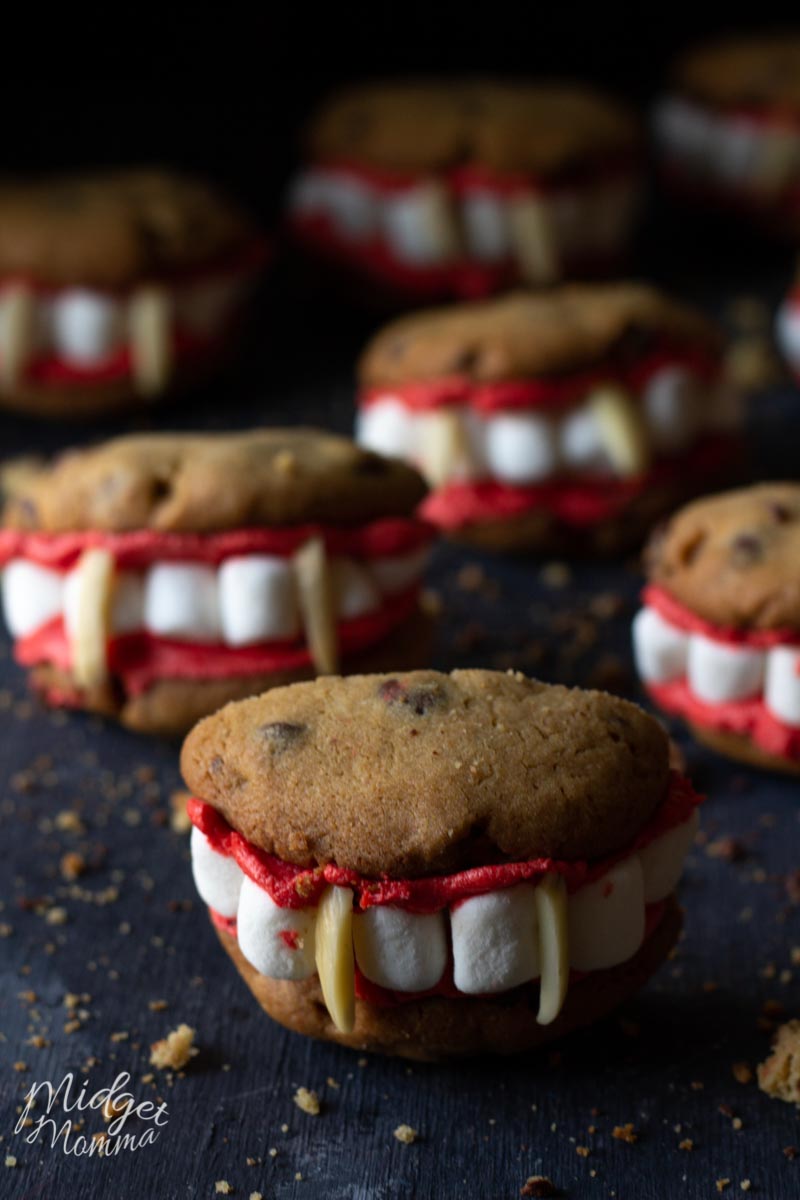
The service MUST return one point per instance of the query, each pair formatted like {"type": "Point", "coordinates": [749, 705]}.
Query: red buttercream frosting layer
{"type": "Point", "coordinates": [291, 886]}
{"type": "Point", "coordinates": [678, 615]}
{"type": "Point", "coordinates": [140, 660]}
{"type": "Point", "coordinates": [551, 394]}
{"type": "Point", "coordinates": [748, 718]}
{"type": "Point", "coordinates": [579, 502]}
{"type": "Point", "coordinates": [142, 547]}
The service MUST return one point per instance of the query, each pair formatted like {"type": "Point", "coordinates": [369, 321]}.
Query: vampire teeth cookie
{"type": "Point", "coordinates": [431, 865]}
{"type": "Point", "coordinates": [156, 577]}
{"type": "Point", "coordinates": [567, 420]}
{"type": "Point", "coordinates": [718, 639]}
{"type": "Point", "coordinates": [116, 287]}
{"type": "Point", "coordinates": [728, 129]}
{"type": "Point", "coordinates": [462, 188]}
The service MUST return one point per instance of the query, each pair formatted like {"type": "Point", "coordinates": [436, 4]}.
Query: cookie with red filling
{"type": "Point", "coordinates": [464, 187]}
{"type": "Point", "coordinates": [562, 421]}
{"type": "Point", "coordinates": [728, 129]}
{"type": "Point", "coordinates": [717, 641]}
{"type": "Point", "coordinates": [432, 865]}
{"type": "Point", "coordinates": [117, 287]}
{"type": "Point", "coordinates": [156, 577]}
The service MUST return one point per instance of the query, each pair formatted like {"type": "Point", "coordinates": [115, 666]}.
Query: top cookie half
{"type": "Point", "coordinates": [422, 773]}
{"type": "Point", "coordinates": [758, 73]}
{"type": "Point", "coordinates": [506, 127]}
{"type": "Point", "coordinates": [202, 483]}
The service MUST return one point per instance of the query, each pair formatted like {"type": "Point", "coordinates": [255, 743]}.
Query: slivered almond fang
{"type": "Point", "coordinates": [334, 954]}
{"type": "Point", "coordinates": [439, 220]}
{"type": "Point", "coordinates": [89, 637]}
{"type": "Point", "coordinates": [151, 339]}
{"type": "Point", "coordinates": [315, 592]}
{"type": "Point", "coordinates": [622, 429]}
{"type": "Point", "coordinates": [533, 239]}
{"type": "Point", "coordinates": [17, 332]}
{"type": "Point", "coordinates": [551, 916]}
{"type": "Point", "coordinates": [444, 449]}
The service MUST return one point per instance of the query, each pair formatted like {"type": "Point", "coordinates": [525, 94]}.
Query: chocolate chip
{"type": "Point", "coordinates": [746, 548]}
{"type": "Point", "coordinates": [464, 361]}
{"type": "Point", "coordinates": [282, 734]}
{"type": "Point", "coordinates": [779, 512]}
{"type": "Point", "coordinates": [418, 700]}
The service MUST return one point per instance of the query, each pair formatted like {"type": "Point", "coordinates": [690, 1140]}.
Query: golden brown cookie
{"type": "Point", "coordinates": [116, 286]}
{"type": "Point", "coordinates": [568, 419]}
{"type": "Point", "coordinates": [728, 128]}
{"type": "Point", "coordinates": [401, 861]}
{"type": "Point", "coordinates": [463, 187]}
{"type": "Point", "coordinates": [156, 577]}
{"type": "Point", "coordinates": [718, 639]}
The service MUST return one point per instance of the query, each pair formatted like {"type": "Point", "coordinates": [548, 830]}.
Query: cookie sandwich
{"type": "Point", "coordinates": [463, 187]}
{"type": "Point", "coordinates": [728, 128]}
{"type": "Point", "coordinates": [117, 286]}
{"type": "Point", "coordinates": [717, 641]}
{"type": "Point", "coordinates": [565, 420]}
{"type": "Point", "coordinates": [156, 577]}
{"type": "Point", "coordinates": [432, 865]}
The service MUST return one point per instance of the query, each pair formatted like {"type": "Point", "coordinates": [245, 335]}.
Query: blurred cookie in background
{"type": "Point", "coordinates": [460, 188]}
{"type": "Point", "coordinates": [557, 422]}
{"type": "Point", "coordinates": [116, 287]}
{"type": "Point", "coordinates": [728, 129]}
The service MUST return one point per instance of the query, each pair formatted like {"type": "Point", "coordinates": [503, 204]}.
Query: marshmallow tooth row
{"type": "Point", "coordinates": [718, 672]}
{"type": "Point", "coordinates": [732, 150]}
{"type": "Point", "coordinates": [83, 328]}
{"type": "Point", "coordinates": [428, 224]}
{"type": "Point", "coordinates": [608, 431]}
{"type": "Point", "coordinates": [499, 940]}
{"type": "Point", "coordinates": [246, 600]}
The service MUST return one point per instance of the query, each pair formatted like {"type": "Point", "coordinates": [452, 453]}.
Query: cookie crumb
{"type": "Point", "coordinates": [742, 1072]}
{"type": "Point", "coordinates": [625, 1133]}
{"type": "Point", "coordinates": [256, 1196]}
{"type": "Point", "coordinates": [721, 1184]}
{"type": "Point", "coordinates": [405, 1134]}
{"type": "Point", "coordinates": [11, 1160]}
{"type": "Point", "coordinates": [307, 1101]}
{"type": "Point", "coordinates": [745, 1185]}
{"type": "Point", "coordinates": [686, 1144]}
{"type": "Point", "coordinates": [223, 1188]}
{"type": "Point", "coordinates": [174, 1051]}
{"type": "Point", "coordinates": [779, 1075]}
{"type": "Point", "coordinates": [178, 816]}
{"type": "Point", "coordinates": [583, 1151]}
{"type": "Point", "coordinates": [540, 1187]}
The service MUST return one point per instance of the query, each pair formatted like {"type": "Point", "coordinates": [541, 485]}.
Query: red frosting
{"type": "Point", "coordinates": [139, 660]}
{"type": "Point", "coordinates": [683, 618]}
{"type": "Point", "coordinates": [554, 394]}
{"type": "Point", "coordinates": [291, 886]}
{"type": "Point", "coordinates": [748, 718]}
{"type": "Point", "coordinates": [581, 501]}
{"type": "Point", "coordinates": [142, 547]}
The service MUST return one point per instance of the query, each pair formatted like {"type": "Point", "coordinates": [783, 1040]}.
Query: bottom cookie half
{"type": "Point", "coordinates": [440, 1027]}
{"type": "Point", "coordinates": [735, 745]}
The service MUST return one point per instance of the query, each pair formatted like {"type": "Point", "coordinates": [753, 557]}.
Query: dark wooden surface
{"type": "Point", "coordinates": [133, 932]}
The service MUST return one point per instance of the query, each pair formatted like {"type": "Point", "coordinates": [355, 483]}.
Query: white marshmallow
{"type": "Point", "coordinates": [309, 192]}
{"type": "Point", "coordinates": [486, 226]}
{"type": "Point", "coordinates": [686, 133]}
{"type": "Point", "coordinates": [495, 940]}
{"type": "Point", "coordinates": [388, 428]}
{"type": "Point", "coordinates": [32, 596]}
{"type": "Point", "coordinates": [403, 951]}
{"type": "Point", "coordinates": [719, 673]}
{"type": "Point", "coordinates": [521, 449]}
{"type": "Point", "coordinates": [416, 226]}
{"type": "Point", "coordinates": [127, 606]}
{"type": "Point", "coordinates": [734, 150]}
{"type": "Point", "coordinates": [257, 600]}
{"type": "Point", "coordinates": [355, 591]}
{"type": "Point", "coordinates": [181, 601]}
{"type": "Point", "coordinates": [582, 445]}
{"type": "Point", "coordinates": [660, 650]}
{"type": "Point", "coordinates": [86, 326]}
{"type": "Point", "coordinates": [787, 327]}
{"type": "Point", "coordinates": [662, 859]}
{"type": "Point", "coordinates": [782, 685]}
{"type": "Point", "coordinates": [671, 403]}
{"type": "Point", "coordinates": [217, 877]}
{"type": "Point", "coordinates": [606, 918]}
{"type": "Point", "coordinates": [352, 206]}
{"type": "Point", "coordinates": [400, 572]}
{"type": "Point", "coordinates": [265, 933]}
